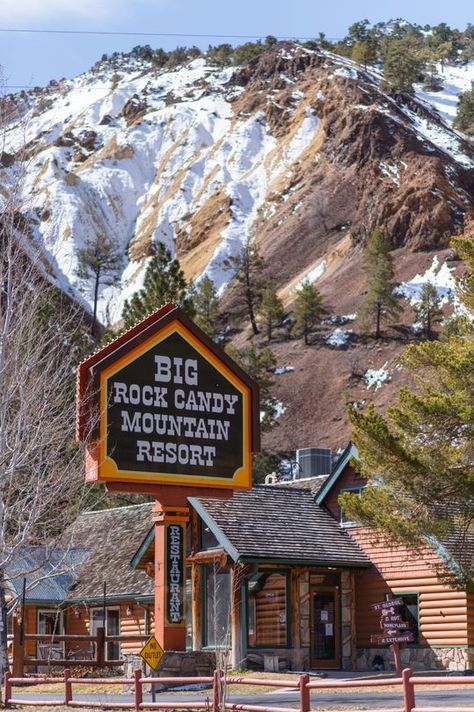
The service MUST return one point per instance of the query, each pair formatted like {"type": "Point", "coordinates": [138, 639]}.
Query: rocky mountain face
{"type": "Point", "coordinates": [304, 148]}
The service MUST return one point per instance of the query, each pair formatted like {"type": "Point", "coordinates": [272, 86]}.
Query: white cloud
{"type": "Point", "coordinates": [29, 11]}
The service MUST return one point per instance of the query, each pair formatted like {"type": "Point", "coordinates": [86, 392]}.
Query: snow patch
{"type": "Point", "coordinates": [339, 337]}
{"type": "Point", "coordinates": [376, 377]}
{"type": "Point", "coordinates": [283, 369]}
{"type": "Point", "coordinates": [313, 275]}
{"type": "Point", "coordinates": [440, 277]}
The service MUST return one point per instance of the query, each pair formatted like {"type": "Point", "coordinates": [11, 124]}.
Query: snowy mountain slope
{"type": "Point", "coordinates": [298, 145]}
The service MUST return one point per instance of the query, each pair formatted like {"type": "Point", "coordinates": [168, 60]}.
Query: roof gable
{"type": "Point", "coordinates": [350, 452]}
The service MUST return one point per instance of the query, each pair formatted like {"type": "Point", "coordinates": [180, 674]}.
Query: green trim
{"type": "Point", "coordinates": [145, 598]}
{"type": "Point", "coordinates": [142, 549]}
{"type": "Point", "coordinates": [305, 562]}
{"type": "Point", "coordinates": [314, 588]}
{"type": "Point", "coordinates": [350, 452]}
{"type": "Point", "coordinates": [218, 533]}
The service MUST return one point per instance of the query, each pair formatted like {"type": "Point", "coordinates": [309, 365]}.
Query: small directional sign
{"type": "Point", "coordinates": [387, 604]}
{"type": "Point", "coordinates": [388, 617]}
{"type": "Point", "coordinates": [392, 625]}
{"type": "Point", "coordinates": [152, 653]}
{"type": "Point", "coordinates": [391, 639]}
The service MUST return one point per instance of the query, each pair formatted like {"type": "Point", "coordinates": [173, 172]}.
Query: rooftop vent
{"type": "Point", "coordinates": [271, 479]}
{"type": "Point", "coordinates": [313, 461]}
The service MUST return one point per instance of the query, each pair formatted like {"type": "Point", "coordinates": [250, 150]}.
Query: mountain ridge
{"type": "Point", "coordinates": [302, 147]}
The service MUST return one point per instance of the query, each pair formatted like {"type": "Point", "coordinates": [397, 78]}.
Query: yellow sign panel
{"type": "Point", "coordinates": [152, 653]}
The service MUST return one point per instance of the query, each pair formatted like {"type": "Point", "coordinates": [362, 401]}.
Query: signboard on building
{"type": "Point", "coordinates": [175, 574]}
{"type": "Point", "coordinates": [173, 408]}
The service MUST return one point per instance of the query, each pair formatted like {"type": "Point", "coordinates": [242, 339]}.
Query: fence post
{"type": "Point", "coordinates": [8, 689]}
{"type": "Point", "coordinates": [408, 691]}
{"type": "Point", "coordinates": [18, 666]}
{"type": "Point", "coordinates": [138, 689]}
{"type": "Point", "coordinates": [67, 686]}
{"type": "Point", "coordinates": [100, 648]}
{"type": "Point", "coordinates": [215, 691]}
{"type": "Point", "coordinates": [305, 704]}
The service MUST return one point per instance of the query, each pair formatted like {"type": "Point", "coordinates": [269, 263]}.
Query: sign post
{"type": "Point", "coordinates": [164, 411]}
{"type": "Point", "coordinates": [394, 629]}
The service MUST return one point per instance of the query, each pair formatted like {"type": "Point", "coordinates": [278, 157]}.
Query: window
{"type": "Point", "coordinates": [50, 622]}
{"type": "Point", "coordinates": [208, 540]}
{"type": "Point", "coordinates": [345, 521]}
{"type": "Point", "coordinates": [267, 603]}
{"type": "Point", "coordinates": [410, 613]}
{"type": "Point", "coordinates": [112, 627]}
{"type": "Point", "coordinates": [216, 629]}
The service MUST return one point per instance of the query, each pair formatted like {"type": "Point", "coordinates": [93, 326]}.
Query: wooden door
{"type": "Point", "coordinates": [325, 628]}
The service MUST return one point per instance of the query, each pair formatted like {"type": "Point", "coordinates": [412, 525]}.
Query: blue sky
{"type": "Point", "coordinates": [34, 59]}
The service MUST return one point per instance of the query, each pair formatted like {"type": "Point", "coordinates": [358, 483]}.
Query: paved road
{"type": "Point", "coordinates": [462, 699]}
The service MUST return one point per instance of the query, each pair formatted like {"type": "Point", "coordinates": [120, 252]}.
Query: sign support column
{"type": "Point", "coordinates": [170, 575]}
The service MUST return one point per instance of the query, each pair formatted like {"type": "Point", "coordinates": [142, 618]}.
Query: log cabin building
{"type": "Point", "coordinates": [276, 573]}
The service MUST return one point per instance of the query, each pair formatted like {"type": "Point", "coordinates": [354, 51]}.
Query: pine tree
{"type": "Point", "coordinates": [271, 309]}
{"type": "Point", "coordinates": [164, 282]}
{"type": "Point", "coordinates": [206, 305]}
{"type": "Point", "coordinates": [428, 310]}
{"type": "Point", "coordinates": [98, 263]}
{"type": "Point", "coordinates": [248, 268]}
{"type": "Point", "coordinates": [307, 311]}
{"type": "Point", "coordinates": [418, 458]}
{"type": "Point", "coordinates": [402, 66]}
{"type": "Point", "coordinates": [465, 114]}
{"type": "Point", "coordinates": [364, 52]}
{"type": "Point", "coordinates": [380, 302]}
{"type": "Point", "coordinates": [260, 365]}
{"type": "Point", "coordinates": [465, 284]}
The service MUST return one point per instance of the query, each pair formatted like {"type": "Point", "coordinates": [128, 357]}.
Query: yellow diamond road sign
{"type": "Point", "coordinates": [152, 652]}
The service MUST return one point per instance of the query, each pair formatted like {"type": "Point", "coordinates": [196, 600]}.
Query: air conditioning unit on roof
{"type": "Point", "coordinates": [313, 461]}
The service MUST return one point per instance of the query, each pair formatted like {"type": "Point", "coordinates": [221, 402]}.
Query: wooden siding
{"type": "Point", "coordinates": [134, 624]}
{"type": "Point", "coordinates": [443, 612]}
{"type": "Point", "coordinates": [446, 615]}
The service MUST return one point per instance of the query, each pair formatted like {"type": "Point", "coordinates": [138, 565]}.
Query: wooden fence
{"type": "Point", "coordinates": [217, 703]}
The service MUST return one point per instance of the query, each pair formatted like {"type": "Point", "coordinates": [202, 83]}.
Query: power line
{"type": "Point", "coordinates": [156, 34]}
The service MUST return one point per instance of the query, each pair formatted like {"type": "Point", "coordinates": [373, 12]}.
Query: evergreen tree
{"type": "Point", "coordinates": [164, 282]}
{"type": "Point", "coordinates": [465, 114]}
{"type": "Point", "coordinates": [206, 305]}
{"type": "Point", "coordinates": [418, 458]}
{"type": "Point", "coordinates": [271, 309]}
{"type": "Point", "coordinates": [428, 310]}
{"type": "Point", "coordinates": [380, 302]}
{"type": "Point", "coordinates": [364, 52]}
{"type": "Point", "coordinates": [402, 66]}
{"type": "Point", "coordinates": [248, 268]}
{"type": "Point", "coordinates": [465, 284]}
{"type": "Point", "coordinates": [98, 263]}
{"type": "Point", "coordinates": [307, 311]}
{"type": "Point", "coordinates": [260, 365]}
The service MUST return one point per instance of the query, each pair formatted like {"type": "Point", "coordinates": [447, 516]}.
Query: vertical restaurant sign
{"type": "Point", "coordinates": [173, 409]}
{"type": "Point", "coordinates": [175, 574]}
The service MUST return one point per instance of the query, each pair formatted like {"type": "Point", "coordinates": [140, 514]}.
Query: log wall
{"type": "Point", "coordinates": [446, 615]}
